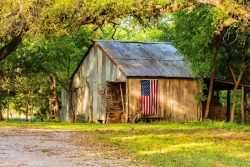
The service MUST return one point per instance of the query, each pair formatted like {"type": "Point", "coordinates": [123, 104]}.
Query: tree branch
{"type": "Point", "coordinates": [10, 47]}
{"type": "Point", "coordinates": [232, 73]}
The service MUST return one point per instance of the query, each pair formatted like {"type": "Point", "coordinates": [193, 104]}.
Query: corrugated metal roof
{"type": "Point", "coordinates": [143, 59]}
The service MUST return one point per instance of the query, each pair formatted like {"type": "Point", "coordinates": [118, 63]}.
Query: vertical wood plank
{"type": "Point", "coordinates": [127, 101]}
{"type": "Point", "coordinates": [90, 69]}
{"type": "Point", "coordinates": [95, 65]}
{"type": "Point", "coordinates": [104, 97]}
{"type": "Point", "coordinates": [104, 59]}
{"type": "Point", "coordinates": [134, 97]}
{"type": "Point", "coordinates": [111, 72]}
{"type": "Point", "coordinates": [99, 65]}
{"type": "Point", "coordinates": [161, 97]}
{"type": "Point", "coordinates": [95, 104]}
{"type": "Point", "coordinates": [83, 70]}
{"type": "Point", "coordinates": [114, 74]}
{"type": "Point", "coordinates": [108, 66]}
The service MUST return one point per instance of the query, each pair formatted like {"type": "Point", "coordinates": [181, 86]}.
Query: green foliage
{"type": "Point", "coordinates": [52, 18]}
{"type": "Point", "coordinates": [127, 29]}
{"type": "Point", "coordinates": [223, 99]}
{"type": "Point", "coordinates": [60, 56]}
{"type": "Point", "coordinates": [195, 37]}
{"type": "Point", "coordinates": [23, 78]}
{"type": "Point", "coordinates": [26, 72]}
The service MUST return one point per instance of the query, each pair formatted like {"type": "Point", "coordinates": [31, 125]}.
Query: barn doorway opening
{"type": "Point", "coordinates": [116, 93]}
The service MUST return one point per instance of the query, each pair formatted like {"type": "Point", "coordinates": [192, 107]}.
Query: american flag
{"type": "Point", "coordinates": [149, 92]}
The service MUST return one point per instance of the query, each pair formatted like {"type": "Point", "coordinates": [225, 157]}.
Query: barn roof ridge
{"type": "Point", "coordinates": [132, 41]}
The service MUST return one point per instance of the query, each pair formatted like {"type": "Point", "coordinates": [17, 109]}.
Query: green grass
{"type": "Point", "coordinates": [167, 144]}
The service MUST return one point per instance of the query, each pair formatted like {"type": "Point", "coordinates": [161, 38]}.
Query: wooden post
{"type": "Point", "coordinates": [123, 108]}
{"type": "Point", "coordinates": [243, 106]}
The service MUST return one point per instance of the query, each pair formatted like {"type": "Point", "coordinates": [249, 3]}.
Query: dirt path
{"type": "Point", "coordinates": [43, 147]}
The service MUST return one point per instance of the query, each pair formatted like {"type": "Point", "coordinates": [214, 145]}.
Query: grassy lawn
{"type": "Point", "coordinates": [168, 144]}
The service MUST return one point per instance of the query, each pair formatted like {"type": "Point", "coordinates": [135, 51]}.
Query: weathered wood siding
{"type": "Point", "coordinates": [176, 99]}
{"type": "Point", "coordinates": [89, 83]}
{"type": "Point", "coordinates": [64, 115]}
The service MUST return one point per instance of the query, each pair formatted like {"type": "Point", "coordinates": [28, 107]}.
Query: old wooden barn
{"type": "Point", "coordinates": [107, 83]}
{"type": "Point", "coordinates": [116, 80]}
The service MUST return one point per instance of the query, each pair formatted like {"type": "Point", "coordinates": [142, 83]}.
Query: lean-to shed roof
{"type": "Point", "coordinates": [145, 59]}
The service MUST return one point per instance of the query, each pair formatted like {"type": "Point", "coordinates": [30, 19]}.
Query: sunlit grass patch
{"type": "Point", "coordinates": [205, 143]}
{"type": "Point", "coordinates": [184, 146]}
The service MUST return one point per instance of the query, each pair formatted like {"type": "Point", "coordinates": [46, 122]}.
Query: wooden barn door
{"type": "Point", "coordinates": [116, 92]}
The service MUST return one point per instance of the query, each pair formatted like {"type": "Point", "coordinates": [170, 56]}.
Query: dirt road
{"type": "Point", "coordinates": [42, 147]}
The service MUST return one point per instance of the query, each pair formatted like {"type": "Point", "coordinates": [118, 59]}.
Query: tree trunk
{"type": "Point", "coordinates": [234, 95]}
{"type": "Point", "coordinates": [243, 106]}
{"type": "Point", "coordinates": [31, 113]}
{"type": "Point", "coordinates": [8, 110]}
{"type": "Point", "coordinates": [228, 91]}
{"type": "Point", "coordinates": [1, 115]}
{"type": "Point", "coordinates": [228, 104]}
{"type": "Point", "coordinates": [200, 82]}
{"type": "Point", "coordinates": [50, 109]}
{"type": "Point", "coordinates": [27, 112]}
{"type": "Point", "coordinates": [40, 108]}
{"type": "Point", "coordinates": [10, 47]}
{"type": "Point", "coordinates": [237, 82]}
{"type": "Point", "coordinates": [56, 106]}
{"type": "Point", "coordinates": [55, 97]}
{"type": "Point", "coordinates": [210, 90]}
{"type": "Point", "coordinates": [70, 102]}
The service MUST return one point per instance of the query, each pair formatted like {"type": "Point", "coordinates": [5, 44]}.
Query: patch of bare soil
{"type": "Point", "coordinates": [42, 147]}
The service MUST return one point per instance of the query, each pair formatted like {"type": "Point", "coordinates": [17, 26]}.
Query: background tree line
{"type": "Point", "coordinates": [42, 42]}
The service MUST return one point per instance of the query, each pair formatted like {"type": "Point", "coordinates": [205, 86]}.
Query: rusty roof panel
{"type": "Point", "coordinates": [146, 59]}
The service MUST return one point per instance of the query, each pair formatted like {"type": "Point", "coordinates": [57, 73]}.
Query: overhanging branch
{"type": "Point", "coordinates": [10, 47]}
